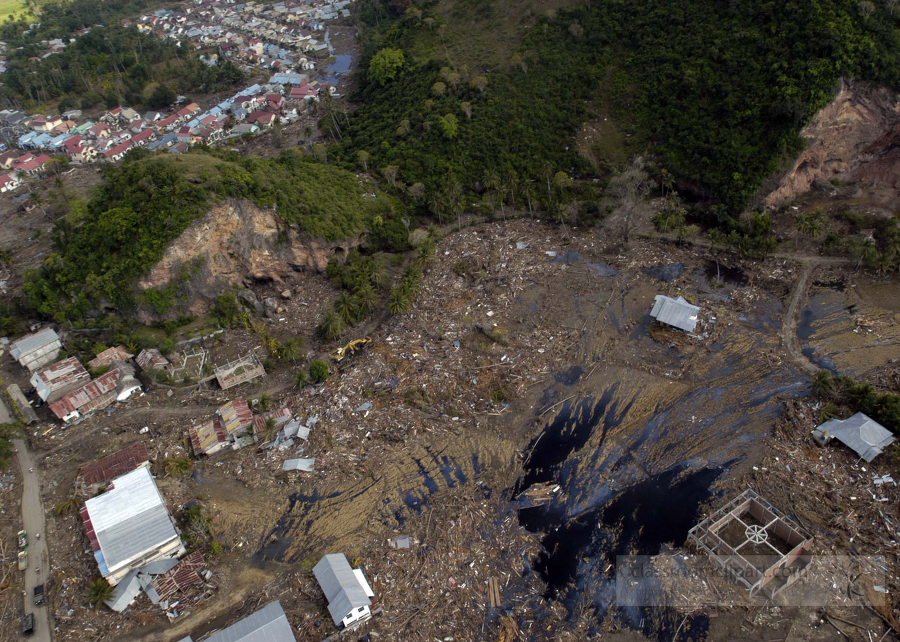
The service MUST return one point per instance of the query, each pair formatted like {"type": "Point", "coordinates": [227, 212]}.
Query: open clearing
{"type": "Point", "coordinates": [528, 358]}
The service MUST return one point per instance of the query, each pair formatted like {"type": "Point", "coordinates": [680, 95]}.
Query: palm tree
{"type": "Point", "coordinates": [717, 241]}
{"type": "Point", "coordinates": [821, 385]}
{"type": "Point", "coordinates": [269, 428]}
{"type": "Point", "coordinates": [332, 325]}
{"type": "Point", "coordinates": [177, 466]}
{"type": "Point", "coordinates": [510, 188]}
{"type": "Point", "coordinates": [66, 506]}
{"type": "Point", "coordinates": [345, 306]}
{"type": "Point", "coordinates": [301, 378]}
{"type": "Point", "coordinates": [398, 300]}
{"type": "Point", "coordinates": [437, 204]}
{"type": "Point", "coordinates": [292, 348]}
{"type": "Point", "coordinates": [99, 591]}
{"type": "Point", "coordinates": [264, 402]}
{"type": "Point", "coordinates": [491, 182]}
{"type": "Point", "coordinates": [366, 298]}
{"type": "Point", "coordinates": [884, 262]}
{"type": "Point", "coordinates": [528, 193]}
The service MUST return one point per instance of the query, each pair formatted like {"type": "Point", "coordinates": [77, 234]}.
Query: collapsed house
{"type": "Point", "coordinates": [677, 312]}
{"type": "Point", "coordinates": [236, 417]}
{"type": "Point", "coordinates": [109, 356]}
{"type": "Point", "coordinates": [862, 434]}
{"type": "Point", "coordinates": [239, 371]}
{"type": "Point", "coordinates": [160, 579]}
{"type": "Point", "coordinates": [269, 624]}
{"type": "Point", "coordinates": [232, 425]}
{"type": "Point", "coordinates": [346, 589]}
{"type": "Point", "coordinates": [35, 350]}
{"type": "Point", "coordinates": [760, 547]}
{"type": "Point", "coordinates": [129, 526]}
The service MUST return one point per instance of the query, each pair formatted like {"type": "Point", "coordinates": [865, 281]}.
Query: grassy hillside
{"type": "Point", "coordinates": [148, 201]}
{"type": "Point", "coordinates": [717, 91]}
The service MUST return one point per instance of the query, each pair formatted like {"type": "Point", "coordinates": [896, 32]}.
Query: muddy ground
{"type": "Point", "coordinates": [529, 357]}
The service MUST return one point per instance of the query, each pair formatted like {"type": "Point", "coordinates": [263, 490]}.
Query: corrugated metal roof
{"type": "Point", "coordinates": [51, 380]}
{"type": "Point", "coordinates": [101, 390]}
{"type": "Point", "coordinates": [124, 592]}
{"type": "Point", "coordinates": [32, 342]}
{"type": "Point", "coordinates": [105, 358]}
{"type": "Point", "coordinates": [114, 465]}
{"type": "Point", "coordinates": [269, 624]}
{"type": "Point", "coordinates": [864, 435]}
{"type": "Point", "coordinates": [207, 436]}
{"type": "Point", "coordinates": [340, 585]}
{"type": "Point", "coordinates": [675, 312]}
{"type": "Point", "coordinates": [151, 358]}
{"type": "Point", "coordinates": [305, 465]}
{"type": "Point", "coordinates": [236, 415]}
{"type": "Point", "coordinates": [130, 519]}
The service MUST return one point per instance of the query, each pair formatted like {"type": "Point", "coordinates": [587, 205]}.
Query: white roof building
{"type": "Point", "coordinates": [864, 435]}
{"type": "Point", "coordinates": [35, 350]}
{"type": "Point", "coordinates": [269, 624]}
{"type": "Point", "coordinates": [346, 589]}
{"type": "Point", "coordinates": [676, 312]}
{"type": "Point", "coordinates": [129, 526]}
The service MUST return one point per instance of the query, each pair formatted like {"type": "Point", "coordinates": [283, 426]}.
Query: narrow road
{"type": "Point", "coordinates": [789, 337]}
{"type": "Point", "coordinates": [33, 519]}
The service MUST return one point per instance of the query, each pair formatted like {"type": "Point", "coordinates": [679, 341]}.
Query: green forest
{"type": "Point", "coordinates": [107, 66]}
{"type": "Point", "coordinates": [146, 202]}
{"type": "Point", "coordinates": [717, 91]}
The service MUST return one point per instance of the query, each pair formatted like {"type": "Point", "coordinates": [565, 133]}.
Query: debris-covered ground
{"type": "Point", "coordinates": [528, 361]}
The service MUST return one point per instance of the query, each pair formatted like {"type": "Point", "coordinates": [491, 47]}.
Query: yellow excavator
{"type": "Point", "coordinates": [351, 348]}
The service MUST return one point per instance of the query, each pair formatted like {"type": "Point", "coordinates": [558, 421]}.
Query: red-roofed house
{"type": "Point", "coordinates": [247, 102]}
{"type": "Point", "coordinates": [143, 138]}
{"type": "Point", "coordinates": [33, 166]}
{"type": "Point", "coordinates": [112, 116]}
{"type": "Point", "coordinates": [167, 122]}
{"type": "Point", "coordinates": [261, 118]}
{"type": "Point", "coordinates": [304, 92]}
{"type": "Point", "coordinates": [8, 183]}
{"type": "Point", "coordinates": [83, 153]}
{"type": "Point", "coordinates": [73, 143]}
{"type": "Point", "coordinates": [188, 110]}
{"type": "Point", "coordinates": [100, 130]}
{"type": "Point", "coordinates": [186, 135]}
{"type": "Point", "coordinates": [116, 153]}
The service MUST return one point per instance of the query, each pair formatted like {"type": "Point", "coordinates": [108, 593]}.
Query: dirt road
{"type": "Point", "coordinates": [789, 338]}
{"type": "Point", "coordinates": [33, 519]}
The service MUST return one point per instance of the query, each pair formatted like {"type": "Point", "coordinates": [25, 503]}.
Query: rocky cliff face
{"type": "Point", "coordinates": [854, 139]}
{"type": "Point", "coordinates": [237, 243]}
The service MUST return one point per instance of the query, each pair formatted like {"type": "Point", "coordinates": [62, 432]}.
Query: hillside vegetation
{"type": "Point", "coordinates": [108, 65]}
{"type": "Point", "coordinates": [717, 91]}
{"type": "Point", "coordinates": [148, 201]}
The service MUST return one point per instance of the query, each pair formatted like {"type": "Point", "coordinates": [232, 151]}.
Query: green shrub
{"type": "Point", "coordinates": [318, 371]}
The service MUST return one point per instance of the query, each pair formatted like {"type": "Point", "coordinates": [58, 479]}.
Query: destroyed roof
{"type": "Point", "coordinates": [51, 381]}
{"type": "Point", "coordinates": [269, 624]}
{"type": "Point", "coordinates": [184, 574]}
{"type": "Point", "coordinates": [105, 358]}
{"type": "Point", "coordinates": [864, 435]}
{"type": "Point", "coordinates": [124, 593]}
{"type": "Point", "coordinates": [89, 396]}
{"type": "Point", "coordinates": [128, 520]}
{"type": "Point", "coordinates": [207, 436]}
{"type": "Point", "coordinates": [305, 465]}
{"type": "Point", "coordinates": [675, 312]}
{"type": "Point", "coordinates": [32, 342]}
{"type": "Point", "coordinates": [238, 371]}
{"type": "Point", "coordinates": [280, 415]}
{"type": "Point", "coordinates": [115, 465]}
{"type": "Point", "coordinates": [340, 585]}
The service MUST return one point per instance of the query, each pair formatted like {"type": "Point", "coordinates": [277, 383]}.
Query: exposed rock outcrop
{"type": "Point", "coordinates": [238, 243]}
{"type": "Point", "coordinates": [854, 139]}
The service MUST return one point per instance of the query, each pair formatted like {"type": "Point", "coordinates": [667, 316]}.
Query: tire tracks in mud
{"type": "Point", "coordinates": [789, 338]}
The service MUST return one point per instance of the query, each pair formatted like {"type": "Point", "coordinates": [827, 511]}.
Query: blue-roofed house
{"type": "Point", "coordinates": [26, 140]}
